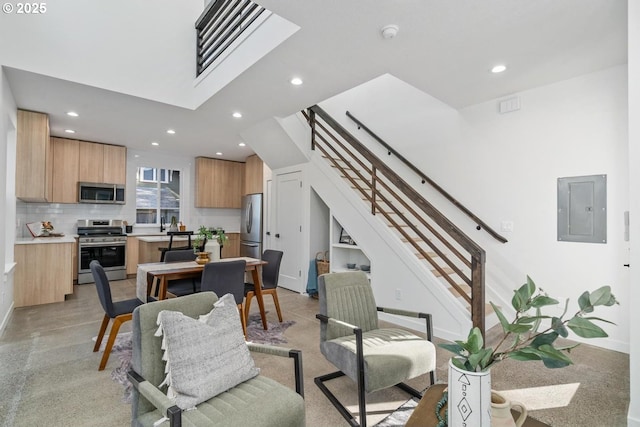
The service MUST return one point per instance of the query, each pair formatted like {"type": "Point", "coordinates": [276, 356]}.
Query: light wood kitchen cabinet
{"type": "Point", "coordinates": [33, 157]}
{"type": "Point", "coordinates": [102, 163]}
{"type": "Point", "coordinates": [132, 255]}
{"type": "Point", "coordinates": [231, 247]}
{"type": "Point", "coordinates": [65, 170]}
{"type": "Point", "coordinates": [44, 273]}
{"type": "Point", "coordinates": [150, 251]}
{"type": "Point", "coordinates": [219, 183]}
{"type": "Point", "coordinates": [74, 263]}
{"type": "Point", "coordinates": [254, 175]}
{"type": "Point", "coordinates": [91, 157]}
{"type": "Point", "coordinates": [115, 164]}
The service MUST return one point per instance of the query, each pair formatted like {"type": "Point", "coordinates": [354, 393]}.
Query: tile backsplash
{"type": "Point", "coordinates": [64, 217]}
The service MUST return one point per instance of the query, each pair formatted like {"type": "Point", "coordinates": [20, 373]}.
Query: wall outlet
{"type": "Point", "coordinates": [398, 294]}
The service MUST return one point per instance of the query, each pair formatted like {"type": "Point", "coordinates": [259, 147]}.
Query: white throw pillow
{"type": "Point", "coordinates": [204, 357]}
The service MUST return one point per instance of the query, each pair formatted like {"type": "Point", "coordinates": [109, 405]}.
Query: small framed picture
{"type": "Point", "coordinates": [345, 238]}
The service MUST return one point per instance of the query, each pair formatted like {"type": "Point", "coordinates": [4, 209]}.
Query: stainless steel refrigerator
{"type": "Point", "coordinates": [251, 226]}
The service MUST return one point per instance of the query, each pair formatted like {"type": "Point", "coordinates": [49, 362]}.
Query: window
{"type": "Point", "coordinates": [151, 175]}
{"type": "Point", "coordinates": [157, 195]}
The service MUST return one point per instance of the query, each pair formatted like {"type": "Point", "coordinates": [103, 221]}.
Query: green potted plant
{"type": "Point", "coordinates": [201, 238]}
{"type": "Point", "coordinates": [173, 226]}
{"type": "Point", "coordinates": [524, 338]}
{"type": "Point", "coordinates": [219, 233]}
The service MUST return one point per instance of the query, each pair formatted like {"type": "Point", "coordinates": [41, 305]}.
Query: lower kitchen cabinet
{"type": "Point", "coordinates": [44, 273]}
{"type": "Point", "coordinates": [149, 251]}
{"type": "Point", "coordinates": [132, 255]}
{"type": "Point", "coordinates": [231, 247]}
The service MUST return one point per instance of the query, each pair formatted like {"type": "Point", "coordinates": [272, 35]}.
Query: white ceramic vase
{"type": "Point", "coordinates": [213, 247]}
{"type": "Point", "coordinates": [469, 400]}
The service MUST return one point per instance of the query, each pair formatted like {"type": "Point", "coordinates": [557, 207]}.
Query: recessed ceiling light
{"type": "Point", "coordinates": [218, 154]}
{"type": "Point", "coordinates": [72, 114]}
{"type": "Point", "coordinates": [70, 131]}
{"type": "Point", "coordinates": [237, 115]}
{"type": "Point", "coordinates": [171, 131]}
{"type": "Point", "coordinates": [242, 144]}
{"type": "Point", "coordinates": [296, 81]}
{"type": "Point", "coordinates": [155, 143]}
{"type": "Point", "coordinates": [498, 68]}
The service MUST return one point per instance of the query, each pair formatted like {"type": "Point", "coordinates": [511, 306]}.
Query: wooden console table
{"type": "Point", "coordinates": [425, 413]}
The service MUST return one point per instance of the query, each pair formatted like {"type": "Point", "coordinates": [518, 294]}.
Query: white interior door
{"type": "Point", "coordinates": [288, 229]}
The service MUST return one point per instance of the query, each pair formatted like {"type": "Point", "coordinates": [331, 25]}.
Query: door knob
{"type": "Point", "coordinates": [277, 235]}
{"type": "Point", "coordinates": [268, 233]}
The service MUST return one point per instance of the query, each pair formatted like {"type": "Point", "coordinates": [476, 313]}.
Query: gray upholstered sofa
{"type": "Point", "coordinates": [259, 401]}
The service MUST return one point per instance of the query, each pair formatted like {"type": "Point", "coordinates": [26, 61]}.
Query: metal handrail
{"type": "Point", "coordinates": [334, 149]}
{"type": "Point", "coordinates": [480, 224]}
{"type": "Point", "coordinates": [221, 23]}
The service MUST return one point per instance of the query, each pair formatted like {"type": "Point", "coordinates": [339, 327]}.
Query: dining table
{"type": "Point", "coordinates": [154, 275]}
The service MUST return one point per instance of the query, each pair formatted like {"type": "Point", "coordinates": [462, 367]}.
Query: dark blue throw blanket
{"type": "Point", "coordinates": [312, 279]}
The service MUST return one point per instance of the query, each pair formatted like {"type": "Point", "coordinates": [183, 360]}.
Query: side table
{"type": "Point", "coordinates": [425, 413]}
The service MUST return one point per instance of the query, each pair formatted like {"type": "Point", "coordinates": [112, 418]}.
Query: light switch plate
{"type": "Point", "coordinates": [506, 226]}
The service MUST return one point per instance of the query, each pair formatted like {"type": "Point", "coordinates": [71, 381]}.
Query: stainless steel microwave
{"type": "Point", "coordinates": [91, 192]}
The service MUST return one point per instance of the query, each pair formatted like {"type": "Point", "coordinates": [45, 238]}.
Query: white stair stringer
{"type": "Point", "coordinates": [394, 267]}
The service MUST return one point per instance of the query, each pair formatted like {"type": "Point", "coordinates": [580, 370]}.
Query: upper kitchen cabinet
{"type": "Point", "coordinates": [91, 162]}
{"type": "Point", "coordinates": [33, 157]}
{"type": "Point", "coordinates": [253, 177]}
{"type": "Point", "coordinates": [65, 170]}
{"type": "Point", "coordinates": [102, 163]}
{"type": "Point", "coordinates": [219, 183]}
{"type": "Point", "coordinates": [115, 164]}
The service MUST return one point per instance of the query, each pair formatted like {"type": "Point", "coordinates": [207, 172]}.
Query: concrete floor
{"type": "Point", "coordinates": [49, 376]}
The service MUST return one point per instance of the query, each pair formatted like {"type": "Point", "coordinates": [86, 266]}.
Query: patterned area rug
{"type": "Point", "coordinates": [273, 335]}
{"type": "Point", "coordinates": [122, 348]}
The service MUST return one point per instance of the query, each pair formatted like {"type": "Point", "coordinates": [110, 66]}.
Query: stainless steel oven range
{"type": "Point", "coordinates": [103, 240]}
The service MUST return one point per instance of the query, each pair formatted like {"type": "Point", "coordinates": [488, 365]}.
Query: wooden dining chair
{"type": "Point", "coordinates": [119, 311]}
{"type": "Point", "coordinates": [270, 274]}
{"type": "Point", "coordinates": [226, 277]}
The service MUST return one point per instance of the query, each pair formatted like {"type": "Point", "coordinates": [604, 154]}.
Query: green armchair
{"type": "Point", "coordinates": [259, 401]}
{"type": "Point", "coordinates": [374, 358]}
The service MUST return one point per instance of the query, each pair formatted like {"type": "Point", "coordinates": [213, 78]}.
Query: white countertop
{"type": "Point", "coordinates": [146, 233]}
{"type": "Point", "coordinates": [164, 238]}
{"type": "Point", "coordinates": [41, 240]}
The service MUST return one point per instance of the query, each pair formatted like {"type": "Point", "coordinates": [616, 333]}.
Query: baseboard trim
{"type": "Point", "coordinates": [5, 320]}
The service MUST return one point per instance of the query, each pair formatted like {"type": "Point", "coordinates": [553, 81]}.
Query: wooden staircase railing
{"type": "Point", "coordinates": [449, 252]}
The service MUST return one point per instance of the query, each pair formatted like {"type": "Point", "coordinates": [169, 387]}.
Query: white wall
{"type": "Point", "coordinates": [505, 167]}
{"type": "Point", "coordinates": [634, 202]}
{"type": "Point", "coordinates": [7, 194]}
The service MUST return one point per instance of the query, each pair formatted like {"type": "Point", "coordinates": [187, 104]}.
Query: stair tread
{"type": "Point", "coordinates": [430, 254]}
{"type": "Point", "coordinates": [447, 270]}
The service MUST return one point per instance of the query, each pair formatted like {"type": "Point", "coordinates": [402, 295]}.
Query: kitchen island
{"type": "Point", "coordinates": [148, 247]}
{"type": "Point", "coordinates": [44, 269]}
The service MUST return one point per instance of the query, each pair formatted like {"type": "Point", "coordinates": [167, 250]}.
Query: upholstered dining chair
{"type": "Point", "coordinates": [270, 274]}
{"type": "Point", "coordinates": [374, 358]}
{"type": "Point", "coordinates": [226, 277]}
{"type": "Point", "coordinates": [119, 311]}
{"type": "Point", "coordinates": [182, 287]}
{"type": "Point", "coordinates": [258, 401]}
{"type": "Point", "coordinates": [163, 251]}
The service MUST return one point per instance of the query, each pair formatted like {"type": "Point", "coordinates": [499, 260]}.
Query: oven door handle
{"type": "Point", "coordinates": [101, 244]}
